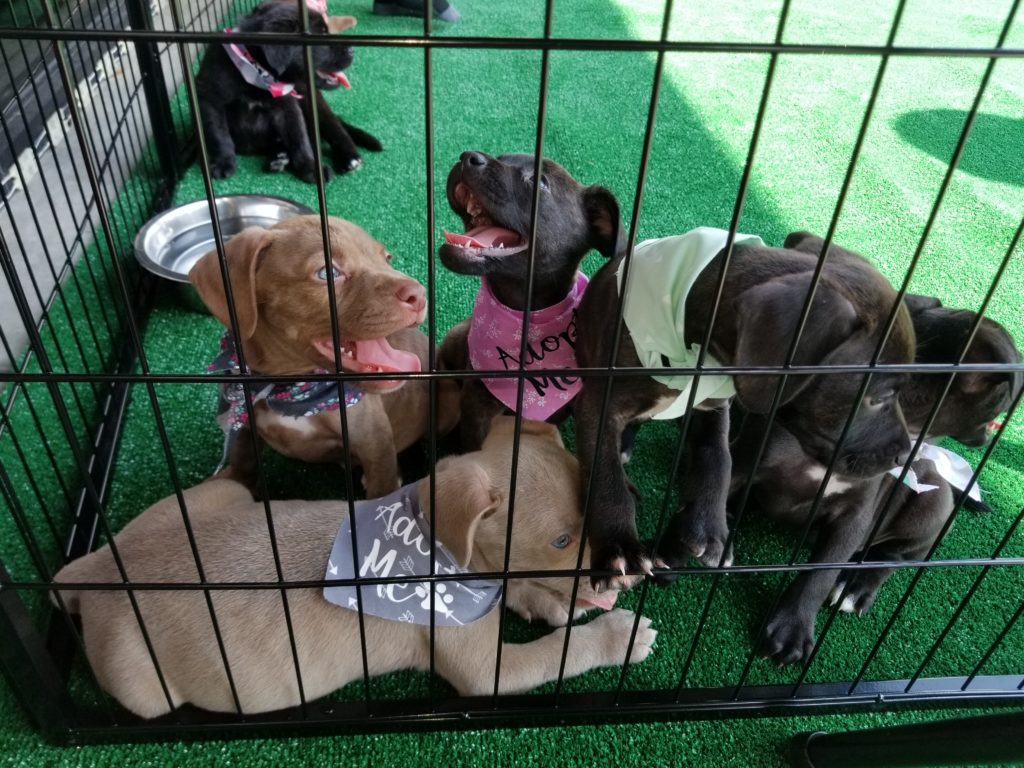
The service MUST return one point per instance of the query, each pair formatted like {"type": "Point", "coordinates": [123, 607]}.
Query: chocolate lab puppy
{"type": "Point", "coordinates": [279, 286]}
{"type": "Point", "coordinates": [673, 284]}
{"type": "Point", "coordinates": [494, 197]}
{"type": "Point", "coordinates": [471, 522]}
{"type": "Point", "coordinates": [787, 480]}
{"type": "Point", "coordinates": [254, 99]}
{"type": "Point", "coordinates": [915, 519]}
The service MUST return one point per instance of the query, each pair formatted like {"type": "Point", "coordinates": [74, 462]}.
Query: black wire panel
{"type": "Point", "coordinates": [77, 363]}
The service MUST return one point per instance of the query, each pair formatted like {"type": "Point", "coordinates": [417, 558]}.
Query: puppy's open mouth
{"type": "Point", "coordinates": [371, 356]}
{"type": "Point", "coordinates": [484, 235]}
{"type": "Point", "coordinates": [338, 77]}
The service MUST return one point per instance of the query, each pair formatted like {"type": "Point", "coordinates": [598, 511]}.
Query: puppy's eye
{"type": "Point", "coordinates": [562, 541]}
{"type": "Point", "coordinates": [388, 257]}
{"type": "Point", "coordinates": [336, 274]}
{"type": "Point", "coordinates": [543, 181]}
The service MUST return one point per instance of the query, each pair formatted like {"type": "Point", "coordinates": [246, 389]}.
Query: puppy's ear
{"type": "Point", "coordinates": [766, 321]}
{"type": "Point", "coordinates": [917, 302]}
{"type": "Point", "coordinates": [336, 24]}
{"type": "Point", "coordinates": [803, 241]}
{"type": "Point", "coordinates": [607, 234]}
{"type": "Point", "coordinates": [242, 254]}
{"type": "Point", "coordinates": [280, 57]}
{"type": "Point", "coordinates": [464, 497]}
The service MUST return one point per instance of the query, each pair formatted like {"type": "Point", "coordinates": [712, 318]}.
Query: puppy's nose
{"type": "Point", "coordinates": [412, 294]}
{"type": "Point", "coordinates": [474, 159]}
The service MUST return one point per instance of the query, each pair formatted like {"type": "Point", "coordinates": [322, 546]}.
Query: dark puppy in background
{"type": "Point", "coordinates": [494, 197]}
{"type": "Point", "coordinates": [915, 519]}
{"type": "Point", "coordinates": [254, 99]}
{"type": "Point", "coordinates": [764, 291]}
{"type": "Point", "coordinates": [788, 478]}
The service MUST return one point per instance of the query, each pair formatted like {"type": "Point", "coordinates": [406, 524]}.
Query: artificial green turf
{"type": "Point", "coordinates": [596, 110]}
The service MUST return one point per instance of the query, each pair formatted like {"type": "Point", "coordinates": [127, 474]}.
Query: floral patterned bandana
{"type": "Point", "coordinates": [495, 337]}
{"type": "Point", "coordinates": [393, 539]}
{"type": "Point", "coordinates": [305, 398]}
{"type": "Point", "coordinates": [952, 467]}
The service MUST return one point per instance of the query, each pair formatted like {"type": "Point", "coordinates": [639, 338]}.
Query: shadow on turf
{"type": "Point", "coordinates": [994, 151]}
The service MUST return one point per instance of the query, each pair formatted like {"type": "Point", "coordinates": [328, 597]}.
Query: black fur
{"type": "Point", "coordinates": [572, 219]}
{"type": "Point", "coordinates": [240, 118]}
{"type": "Point", "coordinates": [763, 294]}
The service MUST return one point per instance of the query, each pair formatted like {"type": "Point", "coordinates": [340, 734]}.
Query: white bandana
{"type": "Point", "coordinates": [952, 467]}
{"type": "Point", "coordinates": [393, 539]}
{"type": "Point", "coordinates": [661, 275]}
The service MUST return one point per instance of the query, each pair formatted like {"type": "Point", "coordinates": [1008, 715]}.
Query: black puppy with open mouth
{"type": "Point", "coordinates": [494, 197]}
{"type": "Point", "coordinates": [254, 99]}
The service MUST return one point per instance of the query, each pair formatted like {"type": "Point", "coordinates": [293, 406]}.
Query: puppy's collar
{"type": "Point", "coordinates": [393, 540]}
{"type": "Point", "coordinates": [495, 339]}
{"type": "Point", "coordinates": [305, 398]}
{"type": "Point", "coordinates": [254, 73]}
{"type": "Point", "coordinates": [951, 467]}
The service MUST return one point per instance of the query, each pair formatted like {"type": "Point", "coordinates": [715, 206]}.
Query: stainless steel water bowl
{"type": "Point", "coordinates": [173, 241]}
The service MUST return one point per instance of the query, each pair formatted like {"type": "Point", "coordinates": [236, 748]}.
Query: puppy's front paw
{"type": "Point", "coordinates": [860, 588]}
{"type": "Point", "coordinates": [788, 639]}
{"type": "Point", "coordinates": [616, 628]}
{"type": "Point", "coordinates": [223, 167]}
{"type": "Point", "coordinates": [701, 536]}
{"type": "Point", "coordinates": [308, 175]}
{"type": "Point", "coordinates": [278, 162]}
{"type": "Point", "coordinates": [535, 603]}
{"type": "Point", "coordinates": [347, 163]}
{"type": "Point", "coordinates": [628, 559]}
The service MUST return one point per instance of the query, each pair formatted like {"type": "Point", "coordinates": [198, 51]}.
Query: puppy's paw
{"type": "Point", "coordinates": [309, 175]}
{"type": "Point", "coordinates": [701, 537]}
{"type": "Point", "coordinates": [628, 560]}
{"type": "Point", "coordinates": [857, 590]}
{"type": "Point", "coordinates": [534, 603]}
{"type": "Point", "coordinates": [616, 628]}
{"type": "Point", "coordinates": [347, 163]}
{"type": "Point", "coordinates": [223, 167]}
{"type": "Point", "coordinates": [277, 163]}
{"type": "Point", "coordinates": [788, 639]}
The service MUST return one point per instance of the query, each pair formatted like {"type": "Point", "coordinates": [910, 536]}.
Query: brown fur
{"type": "Point", "coordinates": [234, 545]}
{"type": "Point", "coordinates": [282, 308]}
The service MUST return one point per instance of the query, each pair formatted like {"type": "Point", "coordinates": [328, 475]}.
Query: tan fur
{"type": "Point", "coordinates": [281, 308]}
{"type": "Point", "coordinates": [233, 542]}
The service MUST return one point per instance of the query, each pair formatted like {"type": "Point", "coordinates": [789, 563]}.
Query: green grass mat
{"type": "Point", "coordinates": [596, 111]}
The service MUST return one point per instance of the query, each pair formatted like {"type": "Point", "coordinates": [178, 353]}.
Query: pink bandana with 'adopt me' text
{"type": "Point", "coordinates": [495, 340]}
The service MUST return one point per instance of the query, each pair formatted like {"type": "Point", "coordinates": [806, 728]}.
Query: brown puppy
{"type": "Point", "coordinates": [234, 545]}
{"type": "Point", "coordinates": [279, 286]}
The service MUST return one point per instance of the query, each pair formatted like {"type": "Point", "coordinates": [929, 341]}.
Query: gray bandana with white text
{"type": "Point", "coordinates": [393, 539]}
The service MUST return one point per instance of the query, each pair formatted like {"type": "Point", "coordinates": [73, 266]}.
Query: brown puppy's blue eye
{"type": "Point", "coordinates": [321, 274]}
{"type": "Point", "coordinates": [562, 541]}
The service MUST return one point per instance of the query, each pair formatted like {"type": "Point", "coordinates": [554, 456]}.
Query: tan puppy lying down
{"type": "Point", "coordinates": [279, 285]}
{"type": "Point", "coordinates": [231, 532]}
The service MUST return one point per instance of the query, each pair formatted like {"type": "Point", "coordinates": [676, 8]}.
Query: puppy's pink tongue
{"type": "Point", "coordinates": [483, 237]}
{"type": "Point", "coordinates": [605, 600]}
{"type": "Point", "coordinates": [381, 354]}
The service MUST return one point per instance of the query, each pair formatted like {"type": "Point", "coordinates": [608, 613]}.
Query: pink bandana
{"type": "Point", "coordinates": [495, 337]}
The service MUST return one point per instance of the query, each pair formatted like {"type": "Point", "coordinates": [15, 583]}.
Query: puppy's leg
{"type": "Point", "coordinates": [789, 635]}
{"type": "Point", "coordinates": [908, 533]}
{"type": "Point", "coordinates": [373, 446]}
{"type": "Point", "coordinates": [241, 464]}
{"type": "Point", "coordinates": [613, 537]}
{"type": "Point", "coordinates": [219, 145]}
{"type": "Point", "coordinates": [700, 528]}
{"type": "Point", "coordinates": [332, 130]}
{"type": "Point", "coordinates": [289, 121]}
{"type": "Point", "coordinates": [600, 643]}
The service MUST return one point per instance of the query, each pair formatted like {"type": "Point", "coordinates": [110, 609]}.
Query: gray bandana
{"type": "Point", "coordinates": [393, 539]}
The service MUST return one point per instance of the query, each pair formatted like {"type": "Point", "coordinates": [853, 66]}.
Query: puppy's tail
{"type": "Point", "coordinates": [363, 139]}
{"type": "Point", "coordinates": [976, 506]}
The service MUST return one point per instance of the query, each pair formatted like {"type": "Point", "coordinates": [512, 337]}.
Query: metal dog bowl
{"type": "Point", "coordinates": [173, 241]}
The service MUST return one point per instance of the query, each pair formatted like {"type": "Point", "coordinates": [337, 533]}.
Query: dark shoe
{"type": "Point", "coordinates": [443, 10]}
